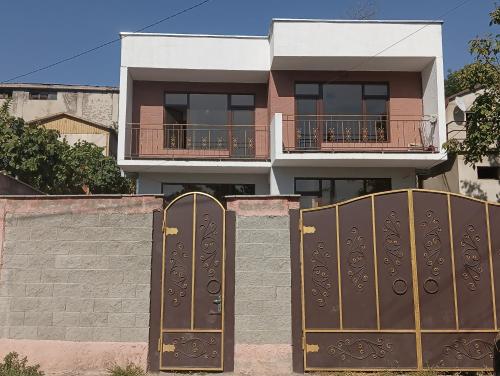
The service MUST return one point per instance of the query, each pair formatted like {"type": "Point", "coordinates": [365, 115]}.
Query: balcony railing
{"type": "Point", "coordinates": [197, 141]}
{"type": "Point", "coordinates": [357, 133]}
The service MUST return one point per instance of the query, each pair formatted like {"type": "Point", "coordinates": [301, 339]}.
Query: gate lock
{"type": "Point", "coordinates": [218, 301]}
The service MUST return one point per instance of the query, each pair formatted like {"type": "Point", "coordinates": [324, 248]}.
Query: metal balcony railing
{"type": "Point", "coordinates": [356, 133]}
{"type": "Point", "coordinates": [194, 141]}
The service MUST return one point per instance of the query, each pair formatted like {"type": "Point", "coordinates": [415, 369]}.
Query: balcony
{"type": "Point", "coordinates": [358, 134]}
{"type": "Point", "coordinates": [197, 141]}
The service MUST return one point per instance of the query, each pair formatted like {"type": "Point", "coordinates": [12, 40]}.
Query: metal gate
{"type": "Point", "coordinates": [399, 280]}
{"type": "Point", "coordinates": [193, 308]}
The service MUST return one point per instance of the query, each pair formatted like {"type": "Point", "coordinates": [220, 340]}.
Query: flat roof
{"type": "Point", "coordinates": [274, 20]}
{"type": "Point", "coordinates": [53, 86]}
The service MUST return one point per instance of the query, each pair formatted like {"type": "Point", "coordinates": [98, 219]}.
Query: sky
{"type": "Point", "coordinates": [38, 33]}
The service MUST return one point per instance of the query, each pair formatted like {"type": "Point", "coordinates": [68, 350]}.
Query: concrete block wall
{"type": "Point", "coordinates": [263, 284]}
{"type": "Point", "coordinates": [76, 271]}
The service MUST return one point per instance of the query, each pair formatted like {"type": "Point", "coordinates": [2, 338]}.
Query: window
{"type": "Point", "coordinates": [210, 122]}
{"type": "Point", "coordinates": [340, 112]}
{"type": "Point", "coordinates": [219, 191]}
{"type": "Point", "coordinates": [43, 95]}
{"type": "Point", "coordinates": [5, 93]}
{"type": "Point", "coordinates": [488, 172]}
{"type": "Point", "coordinates": [325, 191]}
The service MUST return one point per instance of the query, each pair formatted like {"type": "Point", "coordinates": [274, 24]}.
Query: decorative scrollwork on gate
{"type": "Point", "coordinates": [195, 347]}
{"type": "Point", "coordinates": [461, 348]}
{"type": "Point", "coordinates": [471, 258]}
{"type": "Point", "coordinates": [208, 243]}
{"type": "Point", "coordinates": [360, 349]}
{"type": "Point", "coordinates": [394, 252]}
{"type": "Point", "coordinates": [177, 273]}
{"type": "Point", "coordinates": [320, 274]}
{"type": "Point", "coordinates": [431, 228]}
{"type": "Point", "coordinates": [357, 260]}
{"type": "Point", "coordinates": [392, 243]}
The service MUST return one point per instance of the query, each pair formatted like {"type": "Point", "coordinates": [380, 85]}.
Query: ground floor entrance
{"type": "Point", "coordinates": [404, 280]}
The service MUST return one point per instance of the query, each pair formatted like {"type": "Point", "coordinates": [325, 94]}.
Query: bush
{"type": "Point", "coordinates": [14, 366]}
{"type": "Point", "coordinates": [129, 370]}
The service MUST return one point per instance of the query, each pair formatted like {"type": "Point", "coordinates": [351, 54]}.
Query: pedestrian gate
{"type": "Point", "coordinates": [400, 280]}
{"type": "Point", "coordinates": [193, 286]}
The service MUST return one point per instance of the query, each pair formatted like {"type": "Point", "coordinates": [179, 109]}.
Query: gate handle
{"type": "Point", "coordinates": [218, 301]}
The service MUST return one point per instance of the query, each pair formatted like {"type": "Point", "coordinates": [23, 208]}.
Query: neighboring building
{"type": "Point", "coordinates": [78, 112]}
{"type": "Point", "coordinates": [323, 108]}
{"type": "Point", "coordinates": [481, 181]}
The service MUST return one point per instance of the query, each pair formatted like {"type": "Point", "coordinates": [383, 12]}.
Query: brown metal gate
{"type": "Point", "coordinates": [193, 312]}
{"type": "Point", "coordinates": [399, 280]}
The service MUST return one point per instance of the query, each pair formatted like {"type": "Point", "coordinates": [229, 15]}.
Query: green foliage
{"type": "Point", "coordinates": [483, 118]}
{"type": "Point", "coordinates": [14, 366]}
{"type": "Point", "coordinates": [36, 156]}
{"type": "Point", "coordinates": [129, 370]}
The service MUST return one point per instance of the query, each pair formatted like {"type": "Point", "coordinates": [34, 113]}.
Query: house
{"type": "Point", "coordinates": [78, 112]}
{"type": "Point", "coordinates": [329, 109]}
{"type": "Point", "coordinates": [481, 181]}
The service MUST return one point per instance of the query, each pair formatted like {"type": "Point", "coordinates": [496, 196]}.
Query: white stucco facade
{"type": "Point", "coordinates": [294, 45]}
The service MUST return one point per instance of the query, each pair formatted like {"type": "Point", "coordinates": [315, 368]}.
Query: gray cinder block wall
{"type": "Point", "coordinates": [263, 280]}
{"type": "Point", "coordinates": [76, 270]}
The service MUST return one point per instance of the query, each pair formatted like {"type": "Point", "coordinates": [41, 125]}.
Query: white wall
{"type": "Point", "coordinates": [283, 181]}
{"type": "Point", "coordinates": [151, 183]}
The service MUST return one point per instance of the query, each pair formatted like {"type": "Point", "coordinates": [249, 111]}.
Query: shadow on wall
{"type": "Point", "coordinates": [473, 189]}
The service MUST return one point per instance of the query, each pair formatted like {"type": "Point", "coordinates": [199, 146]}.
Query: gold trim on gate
{"type": "Point", "coordinates": [167, 330]}
{"type": "Point", "coordinates": [492, 273]}
{"type": "Point", "coordinates": [452, 250]}
{"type": "Point", "coordinates": [193, 263]}
{"type": "Point", "coordinates": [302, 296]}
{"type": "Point", "coordinates": [375, 263]}
{"type": "Point", "coordinates": [416, 296]}
{"type": "Point", "coordinates": [338, 267]}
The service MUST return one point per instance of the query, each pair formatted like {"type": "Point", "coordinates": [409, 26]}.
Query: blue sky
{"type": "Point", "coordinates": [37, 33]}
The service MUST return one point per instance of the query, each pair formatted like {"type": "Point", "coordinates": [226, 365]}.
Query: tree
{"type": "Point", "coordinates": [36, 156]}
{"type": "Point", "coordinates": [483, 119]}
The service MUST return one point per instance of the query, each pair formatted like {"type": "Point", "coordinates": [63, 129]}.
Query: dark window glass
{"type": "Point", "coordinates": [43, 95]}
{"type": "Point", "coordinates": [307, 185]}
{"type": "Point", "coordinates": [376, 106]}
{"type": "Point", "coordinates": [317, 192]}
{"type": "Point", "coordinates": [5, 94]}
{"type": "Point", "coordinates": [376, 90]}
{"type": "Point", "coordinates": [174, 99]}
{"type": "Point", "coordinates": [342, 99]}
{"type": "Point", "coordinates": [306, 89]}
{"type": "Point", "coordinates": [242, 100]}
{"type": "Point", "coordinates": [488, 172]}
{"type": "Point", "coordinates": [210, 109]}
{"type": "Point", "coordinates": [377, 185]}
{"type": "Point", "coordinates": [242, 133]}
{"type": "Point", "coordinates": [219, 191]}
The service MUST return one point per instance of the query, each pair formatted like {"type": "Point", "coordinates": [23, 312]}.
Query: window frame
{"type": "Point", "coordinates": [6, 93]}
{"type": "Point", "coordinates": [38, 95]}
{"type": "Point", "coordinates": [163, 184]}
{"type": "Point", "coordinates": [229, 110]}
{"type": "Point", "coordinates": [320, 101]}
{"type": "Point", "coordinates": [332, 184]}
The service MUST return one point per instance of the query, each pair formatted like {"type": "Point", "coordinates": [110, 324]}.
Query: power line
{"type": "Point", "coordinates": [98, 47]}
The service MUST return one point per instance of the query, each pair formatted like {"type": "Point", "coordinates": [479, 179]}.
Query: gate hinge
{"type": "Point", "coordinates": [170, 230]}
{"type": "Point", "coordinates": [159, 344]}
{"type": "Point", "coordinates": [308, 230]}
{"type": "Point", "coordinates": [168, 348]}
{"type": "Point", "coordinates": [312, 348]}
